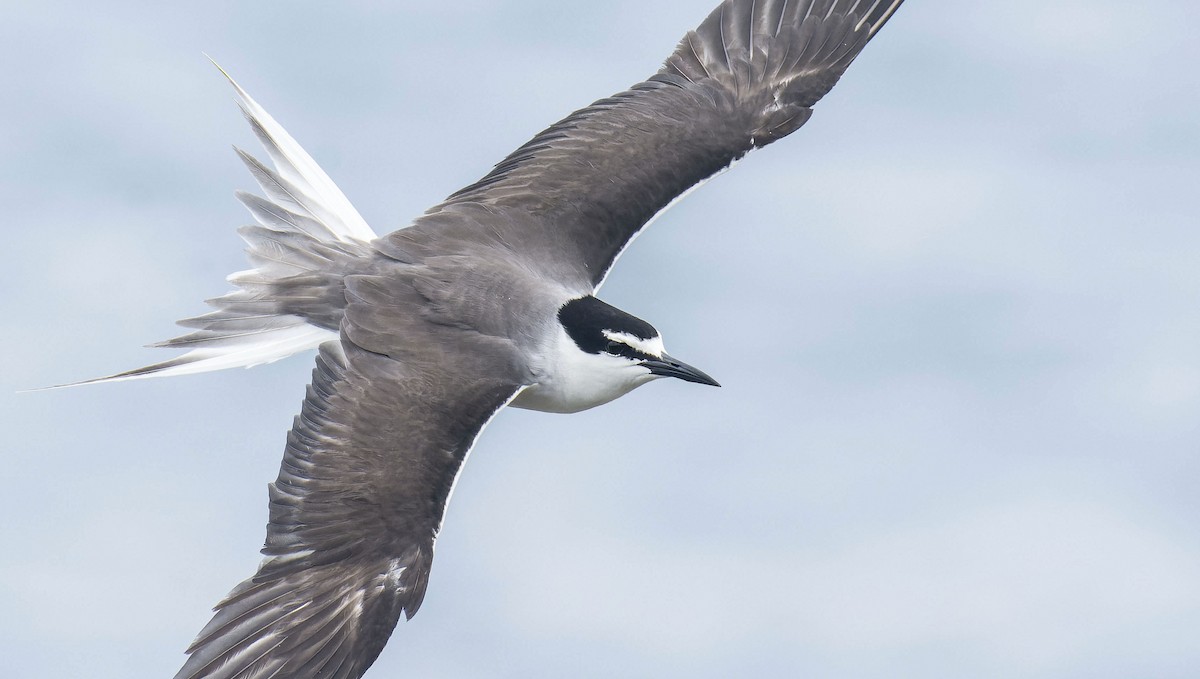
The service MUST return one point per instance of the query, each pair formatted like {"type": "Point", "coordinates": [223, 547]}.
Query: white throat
{"type": "Point", "coordinates": [573, 380]}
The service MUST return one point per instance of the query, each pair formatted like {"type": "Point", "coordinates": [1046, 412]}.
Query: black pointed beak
{"type": "Point", "coordinates": [669, 367]}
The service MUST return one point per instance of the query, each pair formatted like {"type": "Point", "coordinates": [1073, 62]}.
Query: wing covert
{"type": "Point", "coordinates": [369, 466]}
{"type": "Point", "coordinates": [570, 199]}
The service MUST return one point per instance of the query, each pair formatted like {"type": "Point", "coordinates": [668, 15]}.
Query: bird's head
{"type": "Point", "coordinates": [620, 342]}
{"type": "Point", "coordinates": [602, 353]}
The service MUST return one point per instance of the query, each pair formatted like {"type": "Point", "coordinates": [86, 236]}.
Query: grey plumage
{"type": "Point", "coordinates": [575, 194]}
{"type": "Point", "coordinates": [427, 332]}
{"type": "Point", "coordinates": [358, 504]}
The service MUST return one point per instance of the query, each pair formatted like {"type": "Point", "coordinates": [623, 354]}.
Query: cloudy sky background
{"type": "Point", "coordinates": [955, 317]}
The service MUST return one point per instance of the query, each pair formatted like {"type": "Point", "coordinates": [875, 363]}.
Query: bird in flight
{"type": "Point", "coordinates": [486, 300]}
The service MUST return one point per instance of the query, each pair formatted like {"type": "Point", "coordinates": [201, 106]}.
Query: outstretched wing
{"type": "Point", "coordinates": [368, 469]}
{"type": "Point", "coordinates": [570, 199]}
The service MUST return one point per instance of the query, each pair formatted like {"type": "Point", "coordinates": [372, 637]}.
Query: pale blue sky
{"type": "Point", "coordinates": [955, 317]}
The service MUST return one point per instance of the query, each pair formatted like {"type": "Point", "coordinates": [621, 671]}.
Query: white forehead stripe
{"type": "Point", "coordinates": [652, 346]}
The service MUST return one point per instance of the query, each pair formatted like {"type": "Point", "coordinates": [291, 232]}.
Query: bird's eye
{"type": "Point", "coordinates": [613, 348]}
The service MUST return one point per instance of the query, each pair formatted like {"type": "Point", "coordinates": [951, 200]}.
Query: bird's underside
{"type": "Point", "coordinates": [426, 332]}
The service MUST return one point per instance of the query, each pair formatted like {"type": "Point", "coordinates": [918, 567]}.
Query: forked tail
{"type": "Point", "coordinates": [308, 237]}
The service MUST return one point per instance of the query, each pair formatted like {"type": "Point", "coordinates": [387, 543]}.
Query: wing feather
{"type": "Point", "coordinates": [368, 468]}
{"type": "Point", "coordinates": [577, 193]}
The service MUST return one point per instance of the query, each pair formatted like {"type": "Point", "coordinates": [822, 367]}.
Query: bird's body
{"type": "Point", "coordinates": [486, 300]}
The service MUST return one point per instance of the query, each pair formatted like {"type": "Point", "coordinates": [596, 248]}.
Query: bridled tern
{"type": "Point", "coordinates": [486, 300]}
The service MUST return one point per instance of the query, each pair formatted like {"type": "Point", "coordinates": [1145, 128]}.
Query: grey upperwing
{"type": "Point", "coordinates": [570, 199]}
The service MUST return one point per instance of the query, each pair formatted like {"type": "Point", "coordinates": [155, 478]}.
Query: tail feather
{"type": "Point", "coordinates": [281, 343]}
{"type": "Point", "coordinates": [298, 172]}
{"type": "Point", "coordinates": [275, 216]}
{"type": "Point", "coordinates": [225, 328]}
{"type": "Point", "coordinates": [307, 239]}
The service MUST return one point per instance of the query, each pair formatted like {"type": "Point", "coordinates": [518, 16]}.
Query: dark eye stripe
{"type": "Point", "coordinates": [621, 349]}
{"type": "Point", "coordinates": [617, 348]}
